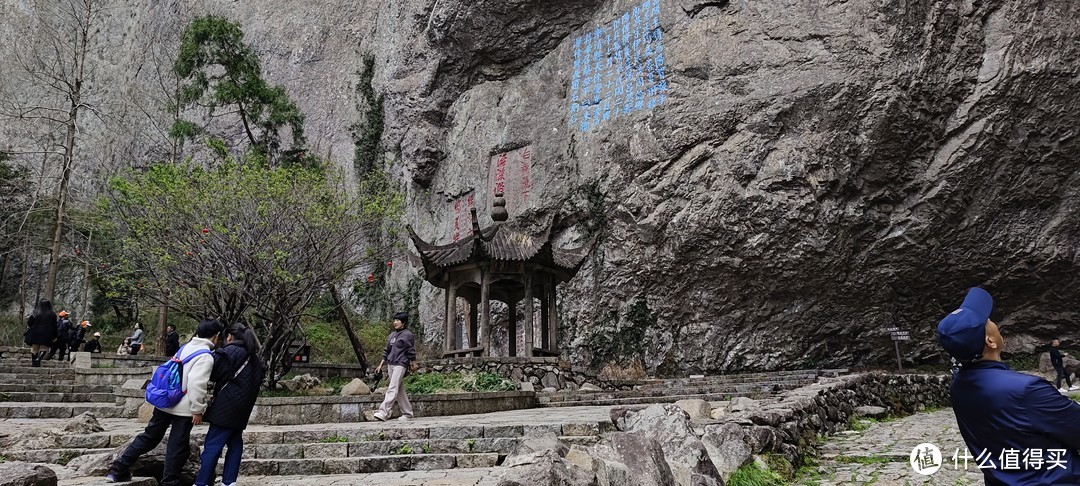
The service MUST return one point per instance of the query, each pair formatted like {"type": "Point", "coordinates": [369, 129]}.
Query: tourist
{"type": "Point", "coordinates": [180, 418]}
{"type": "Point", "coordinates": [1059, 367]}
{"type": "Point", "coordinates": [400, 354]}
{"type": "Point", "coordinates": [136, 339]}
{"type": "Point", "coordinates": [124, 348]}
{"type": "Point", "coordinates": [40, 332]}
{"type": "Point", "coordinates": [1001, 410]}
{"type": "Point", "coordinates": [237, 376]}
{"type": "Point", "coordinates": [77, 337]}
{"type": "Point", "coordinates": [172, 340]}
{"type": "Point", "coordinates": [63, 328]}
{"type": "Point", "coordinates": [94, 344]}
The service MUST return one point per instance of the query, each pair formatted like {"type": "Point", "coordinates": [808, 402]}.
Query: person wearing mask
{"type": "Point", "coordinates": [172, 340]}
{"type": "Point", "coordinates": [180, 417]}
{"type": "Point", "coordinates": [400, 355]}
{"type": "Point", "coordinates": [137, 339]}
{"type": "Point", "coordinates": [63, 330]}
{"type": "Point", "coordinates": [237, 376]}
{"type": "Point", "coordinates": [998, 409]}
{"type": "Point", "coordinates": [40, 332]}
{"type": "Point", "coordinates": [94, 344]}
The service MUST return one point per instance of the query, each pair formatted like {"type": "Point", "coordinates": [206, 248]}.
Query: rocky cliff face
{"type": "Point", "coordinates": [796, 177]}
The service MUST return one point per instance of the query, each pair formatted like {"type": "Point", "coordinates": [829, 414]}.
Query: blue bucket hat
{"type": "Point", "coordinates": [963, 332]}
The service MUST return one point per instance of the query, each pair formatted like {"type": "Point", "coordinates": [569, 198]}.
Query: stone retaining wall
{"type": "Point", "coordinates": [542, 373]}
{"type": "Point", "coordinates": [110, 376]}
{"type": "Point", "coordinates": [321, 370]}
{"type": "Point", "coordinates": [793, 422]}
{"type": "Point", "coordinates": [335, 409]}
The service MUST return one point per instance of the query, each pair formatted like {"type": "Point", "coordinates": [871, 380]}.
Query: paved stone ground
{"type": "Point", "coordinates": [880, 454]}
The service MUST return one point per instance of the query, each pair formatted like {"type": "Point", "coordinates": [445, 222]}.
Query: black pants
{"type": "Point", "coordinates": [135, 348]}
{"type": "Point", "coordinates": [1062, 374]}
{"type": "Point", "coordinates": [60, 346]}
{"type": "Point", "coordinates": [176, 451]}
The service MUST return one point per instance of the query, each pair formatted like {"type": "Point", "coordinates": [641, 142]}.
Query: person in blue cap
{"type": "Point", "coordinates": [1018, 428]}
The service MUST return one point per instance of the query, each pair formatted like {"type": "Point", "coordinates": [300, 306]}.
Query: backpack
{"type": "Point", "coordinates": [166, 385]}
{"type": "Point", "coordinates": [77, 334]}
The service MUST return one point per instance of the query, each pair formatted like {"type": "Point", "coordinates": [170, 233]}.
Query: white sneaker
{"type": "Point", "coordinates": [1074, 388]}
{"type": "Point", "coordinates": [1063, 390]}
{"type": "Point", "coordinates": [378, 416]}
{"type": "Point", "coordinates": [404, 418]}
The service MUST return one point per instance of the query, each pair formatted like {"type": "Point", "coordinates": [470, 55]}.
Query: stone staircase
{"type": "Point", "coordinates": [338, 449]}
{"type": "Point", "coordinates": [711, 388]}
{"type": "Point", "coordinates": [50, 391]}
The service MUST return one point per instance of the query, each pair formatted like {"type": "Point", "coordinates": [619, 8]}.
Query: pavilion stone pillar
{"type": "Point", "coordinates": [485, 310]}
{"type": "Point", "coordinates": [451, 318]}
{"type": "Point", "coordinates": [511, 349]}
{"type": "Point", "coordinates": [544, 316]}
{"type": "Point", "coordinates": [552, 317]}
{"type": "Point", "coordinates": [474, 338]}
{"type": "Point", "coordinates": [528, 316]}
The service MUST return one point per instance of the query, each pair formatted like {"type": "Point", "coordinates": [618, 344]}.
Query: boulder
{"type": "Point", "coordinates": [526, 386]}
{"type": "Point", "coordinates": [629, 458]}
{"type": "Point", "coordinates": [697, 409]}
{"type": "Point", "coordinates": [301, 383]}
{"type": "Point", "coordinates": [717, 413]}
{"type": "Point", "coordinates": [145, 412]}
{"type": "Point", "coordinates": [355, 387]}
{"type": "Point", "coordinates": [728, 447]}
{"type": "Point", "coordinates": [871, 412]}
{"type": "Point", "coordinates": [150, 464]}
{"type": "Point", "coordinates": [740, 404]}
{"type": "Point", "coordinates": [683, 451]}
{"type": "Point", "coordinates": [589, 387]}
{"type": "Point", "coordinates": [18, 473]}
{"type": "Point", "coordinates": [539, 458]}
{"type": "Point", "coordinates": [84, 423]}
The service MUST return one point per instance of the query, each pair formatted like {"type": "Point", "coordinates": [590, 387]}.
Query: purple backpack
{"type": "Point", "coordinates": [166, 385]}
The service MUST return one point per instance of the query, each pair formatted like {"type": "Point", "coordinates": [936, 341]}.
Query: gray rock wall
{"type": "Point", "coordinates": [814, 172]}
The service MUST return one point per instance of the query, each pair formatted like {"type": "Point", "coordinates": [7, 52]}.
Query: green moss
{"type": "Point", "coordinates": [864, 459]}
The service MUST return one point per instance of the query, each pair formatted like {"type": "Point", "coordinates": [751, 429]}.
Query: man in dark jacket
{"type": "Point", "coordinates": [63, 329]}
{"type": "Point", "coordinates": [1059, 366]}
{"type": "Point", "coordinates": [1007, 417]}
{"type": "Point", "coordinates": [94, 344]}
{"type": "Point", "coordinates": [172, 341]}
{"type": "Point", "coordinates": [40, 331]}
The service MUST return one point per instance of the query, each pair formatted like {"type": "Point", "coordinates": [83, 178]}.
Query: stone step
{"type": "Point", "coordinates": [55, 388]}
{"type": "Point", "coordinates": [359, 465]}
{"type": "Point", "coordinates": [650, 399]}
{"type": "Point", "coordinates": [59, 368]}
{"type": "Point", "coordinates": [745, 379]}
{"type": "Point", "coordinates": [329, 450]}
{"type": "Point", "coordinates": [57, 410]}
{"type": "Point", "coordinates": [25, 381]}
{"type": "Point", "coordinates": [715, 389]}
{"type": "Point", "coordinates": [74, 397]}
{"type": "Point", "coordinates": [52, 456]}
{"type": "Point", "coordinates": [100, 481]}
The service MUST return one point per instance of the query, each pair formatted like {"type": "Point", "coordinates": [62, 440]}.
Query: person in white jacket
{"type": "Point", "coordinates": [187, 413]}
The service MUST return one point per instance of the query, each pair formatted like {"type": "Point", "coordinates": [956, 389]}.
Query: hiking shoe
{"type": "Point", "coordinates": [378, 416]}
{"type": "Point", "coordinates": [116, 477]}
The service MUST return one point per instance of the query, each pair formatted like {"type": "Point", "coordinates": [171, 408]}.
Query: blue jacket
{"type": "Point", "coordinates": [998, 410]}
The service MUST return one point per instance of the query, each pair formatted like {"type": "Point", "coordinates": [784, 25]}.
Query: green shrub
{"type": "Point", "coordinates": [753, 475]}
{"type": "Point", "coordinates": [428, 383]}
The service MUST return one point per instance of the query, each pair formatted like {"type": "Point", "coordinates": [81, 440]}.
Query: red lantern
{"type": "Point", "coordinates": [371, 278]}
{"type": "Point", "coordinates": [205, 230]}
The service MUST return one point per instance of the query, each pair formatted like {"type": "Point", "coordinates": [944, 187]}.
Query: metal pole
{"type": "Point", "coordinates": [899, 366]}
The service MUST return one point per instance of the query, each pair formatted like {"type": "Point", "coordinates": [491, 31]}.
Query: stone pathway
{"type": "Point", "coordinates": [880, 454]}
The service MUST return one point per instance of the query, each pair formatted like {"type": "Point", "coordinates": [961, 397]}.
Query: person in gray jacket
{"type": "Point", "coordinates": [400, 354]}
{"type": "Point", "coordinates": [136, 339]}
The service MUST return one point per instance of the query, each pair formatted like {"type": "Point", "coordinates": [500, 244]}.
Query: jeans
{"type": "Point", "coordinates": [395, 392]}
{"type": "Point", "coordinates": [218, 438]}
{"type": "Point", "coordinates": [1062, 374]}
{"type": "Point", "coordinates": [176, 451]}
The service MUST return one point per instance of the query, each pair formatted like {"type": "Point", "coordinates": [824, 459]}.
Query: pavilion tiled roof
{"type": "Point", "coordinates": [498, 242]}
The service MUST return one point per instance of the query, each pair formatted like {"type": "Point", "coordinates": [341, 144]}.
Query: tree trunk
{"type": "Point", "coordinates": [358, 347]}
{"type": "Point", "coordinates": [86, 277]}
{"type": "Point", "coordinates": [161, 322]}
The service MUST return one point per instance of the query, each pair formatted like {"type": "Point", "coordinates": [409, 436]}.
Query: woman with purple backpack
{"type": "Point", "coordinates": [238, 374]}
